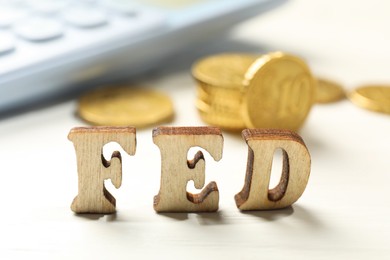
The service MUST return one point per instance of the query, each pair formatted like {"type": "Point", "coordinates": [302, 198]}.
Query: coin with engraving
{"type": "Point", "coordinates": [125, 105]}
{"type": "Point", "coordinates": [328, 91]}
{"type": "Point", "coordinates": [279, 91]}
{"type": "Point", "coordinates": [375, 98]}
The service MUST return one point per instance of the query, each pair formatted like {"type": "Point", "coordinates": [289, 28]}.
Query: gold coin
{"type": "Point", "coordinates": [124, 105]}
{"type": "Point", "coordinates": [328, 91]}
{"type": "Point", "coordinates": [375, 98]}
{"type": "Point", "coordinates": [279, 92]}
{"type": "Point", "coordinates": [223, 70]}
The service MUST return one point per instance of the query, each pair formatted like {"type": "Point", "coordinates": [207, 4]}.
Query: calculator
{"type": "Point", "coordinates": [49, 47]}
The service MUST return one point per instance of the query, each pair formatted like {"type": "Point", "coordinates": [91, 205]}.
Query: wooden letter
{"type": "Point", "coordinates": [176, 170]}
{"type": "Point", "coordinates": [93, 169]}
{"type": "Point", "coordinates": [296, 170]}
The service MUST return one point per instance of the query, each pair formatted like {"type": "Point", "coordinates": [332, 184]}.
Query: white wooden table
{"type": "Point", "coordinates": [343, 214]}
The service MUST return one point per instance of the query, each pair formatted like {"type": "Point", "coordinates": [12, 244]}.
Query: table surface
{"type": "Point", "coordinates": [343, 213]}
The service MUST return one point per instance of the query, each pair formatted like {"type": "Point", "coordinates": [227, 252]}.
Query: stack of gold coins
{"type": "Point", "coordinates": [220, 81]}
{"type": "Point", "coordinates": [237, 91]}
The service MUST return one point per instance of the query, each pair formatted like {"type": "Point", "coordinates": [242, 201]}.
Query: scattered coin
{"type": "Point", "coordinates": [279, 92]}
{"type": "Point", "coordinates": [375, 98]}
{"type": "Point", "coordinates": [125, 105]}
{"type": "Point", "coordinates": [328, 91]}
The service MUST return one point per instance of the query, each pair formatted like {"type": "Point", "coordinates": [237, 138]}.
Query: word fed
{"type": "Point", "coordinates": [174, 144]}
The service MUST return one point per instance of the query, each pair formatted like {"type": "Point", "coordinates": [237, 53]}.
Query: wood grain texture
{"type": "Point", "coordinates": [93, 169]}
{"type": "Point", "coordinates": [174, 144]}
{"type": "Point", "coordinates": [262, 144]}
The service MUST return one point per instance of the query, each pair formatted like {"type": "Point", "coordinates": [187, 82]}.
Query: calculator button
{"type": "Point", "coordinates": [85, 17]}
{"type": "Point", "coordinates": [39, 29]}
{"type": "Point", "coordinates": [7, 43]}
{"type": "Point", "coordinates": [10, 15]}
